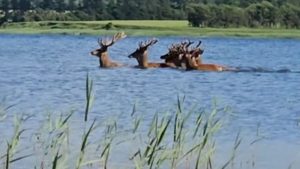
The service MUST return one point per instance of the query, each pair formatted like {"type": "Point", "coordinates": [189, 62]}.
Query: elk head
{"type": "Point", "coordinates": [102, 53]}
{"type": "Point", "coordinates": [141, 55]}
{"type": "Point", "coordinates": [105, 43]}
{"type": "Point", "coordinates": [142, 49]}
{"type": "Point", "coordinates": [176, 53]}
{"type": "Point", "coordinates": [196, 52]}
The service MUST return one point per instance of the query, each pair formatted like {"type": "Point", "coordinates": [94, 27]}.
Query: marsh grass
{"type": "Point", "coordinates": [141, 28]}
{"type": "Point", "coordinates": [181, 138]}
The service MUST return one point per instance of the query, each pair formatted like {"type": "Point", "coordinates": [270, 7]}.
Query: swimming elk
{"type": "Point", "coordinates": [194, 64]}
{"type": "Point", "coordinates": [141, 55]}
{"type": "Point", "coordinates": [176, 56]}
{"type": "Point", "coordinates": [102, 52]}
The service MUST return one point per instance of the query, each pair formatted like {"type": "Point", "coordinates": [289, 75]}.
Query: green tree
{"type": "Point", "coordinates": [5, 5]}
{"type": "Point", "coordinates": [15, 4]}
{"type": "Point", "coordinates": [25, 5]}
{"type": "Point", "coordinates": [270, 14]}
{"type": "Point", "coordinates": [262, 14]}
{"type": "Point", "coordinates": [233, 16]}
{"type": "Point", "coordinates": [255, 15]}
{"type": "Point", "coordinates": [59, 5]}
{"type": "Point", "coordinates": [290, 16]}
{"type": "Point", "coordinates": [198, 15]}
{"type": "Point", "coordinates": [71, 5]}
{"type": "Point", "coordinates": [47, 4]}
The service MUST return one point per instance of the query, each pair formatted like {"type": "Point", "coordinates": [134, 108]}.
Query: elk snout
{"type": "Point", "coordinates": [95, 53]}
{"type": "Point", "coordinates": [164, 56]}
{"type": "Point", "coordinates": [130, 56]}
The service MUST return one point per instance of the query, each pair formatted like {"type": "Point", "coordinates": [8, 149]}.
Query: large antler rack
{"type": "Point", "coordinates": [109, 42]}
{"type": "Point", "coordinates": [185, 45]}
{"type": "Point", "coordinates": [180, 48]}
{"type": "Point", "coordinates": [148, 43]}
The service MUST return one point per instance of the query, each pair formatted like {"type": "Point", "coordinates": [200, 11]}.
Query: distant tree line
{"type": "Point", "coordinates": [200, 13]}
{"type": "Point", "coordinates": [263, 14]}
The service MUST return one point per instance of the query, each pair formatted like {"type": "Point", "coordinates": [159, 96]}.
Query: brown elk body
{"type": "Point", "coordinates": [141, 55]}
{"type": "Point", "coordinates": [193, 64]}
{"type": "Point", "coordinates": [102, 52]}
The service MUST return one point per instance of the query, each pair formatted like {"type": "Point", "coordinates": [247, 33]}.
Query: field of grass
{"type": "Point", "coordinates": [140, 28]}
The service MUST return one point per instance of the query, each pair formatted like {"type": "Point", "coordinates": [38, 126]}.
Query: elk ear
{"type": "Point", "coordinates": [130, 55]}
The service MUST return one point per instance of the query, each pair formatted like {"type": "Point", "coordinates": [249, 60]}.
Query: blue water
{"type": "Point", "coordinates": [40, 73]}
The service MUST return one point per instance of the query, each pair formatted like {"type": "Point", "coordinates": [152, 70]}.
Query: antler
{"type": "Point", "coordinates": [107, 42]}
{"type": "Point", "coordinates": [197, 47]}
{"type": "Point", "coordinates": [199, 43]}
{"type": "Point", "coordinates": [187, 44]}
{"type": "Point", "coordinates": [181, 47]}
{"type": "Point", "coordinates": [148, 43]}
{"type": "Point", "coordinates": [197, 51]}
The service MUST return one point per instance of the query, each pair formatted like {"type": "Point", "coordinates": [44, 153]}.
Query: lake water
{"type": "Point", "coordinates": [40, 73]}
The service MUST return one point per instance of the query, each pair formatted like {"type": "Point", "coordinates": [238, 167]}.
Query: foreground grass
{"type": "Point", "coordinates": [179, 139]}
{"type": "Point", "coordinates": [141, 28]}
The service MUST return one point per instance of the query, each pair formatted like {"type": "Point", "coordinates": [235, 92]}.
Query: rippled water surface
{"type": "Point", "coordinates": [39, 73]}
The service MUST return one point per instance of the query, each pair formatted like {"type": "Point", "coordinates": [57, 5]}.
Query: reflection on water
{"type": "Point", "coordinates": [43, 73]}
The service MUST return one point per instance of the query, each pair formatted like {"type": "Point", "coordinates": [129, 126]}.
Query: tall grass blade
{"type": "Point", "coordinates": [198, 159]}
{"type": "Point", "coordinates": [209, 163]}
{"type": "Point", "coordinates": [149, 146]}
{"type": "Point", "coordinates": [88, 89]}
{"type": "Point", "coordinates": [84, 144]}
{"type": "Point", "coordinates": [7, 156]}
{"type": "Point", "coordinates": [236, 145]}
{"type": "Point", "coordinates": [136, 125]}
{"type": "Point", "coordinates": [20, 158]}
{"type": "Point", "coordinates": [163, 131]}
{"type": "Point", "coordinates": [9, 107]}
{"type": "Point", "coordinates": [179, 104]}
{"type": "Point", "coordinates": [198, 124]}
{"type": "Point", "coordinates": [66, 119]}
{"type": "Point", "coordinates": [106, 158]}
{"type": "Point", "coordinates": [85, 139]}
{"type": "Point", "coordinates": [205, 128]}
{"type": "Point", "coordinates": [54, 163]}
{"type": "Point", "coordinates": [175, 127]}
{"type": "Point", "coordinates": [153, 125]}
{"type": "Point", "coordinates": [138, 153]}
{"type": "Point", "coordinates": [105, 149]}
{"type": "Point", "coordinates": [133, 110]}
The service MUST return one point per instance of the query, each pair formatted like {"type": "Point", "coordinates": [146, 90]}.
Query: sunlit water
{"type": "Point", "coordinates": [40, 73]}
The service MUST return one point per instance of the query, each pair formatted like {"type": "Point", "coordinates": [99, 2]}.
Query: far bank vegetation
{"type": "Point", "coordinates": [199, 13]}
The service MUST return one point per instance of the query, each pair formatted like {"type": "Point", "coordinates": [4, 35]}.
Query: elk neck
{"type": "Point", "coordinates": [143, 59]}
{"type": "Point", "coordinates": [104, 60]}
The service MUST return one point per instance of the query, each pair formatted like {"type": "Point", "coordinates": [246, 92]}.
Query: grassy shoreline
{"type": "Point", "coordinates": [141, 28]}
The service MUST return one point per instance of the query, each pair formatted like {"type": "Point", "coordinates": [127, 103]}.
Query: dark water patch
{"type": "Point", "coordinates": [263, 70]}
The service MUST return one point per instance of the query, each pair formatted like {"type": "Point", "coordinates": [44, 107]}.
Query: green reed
{"type": "Point", "coordinates": [89, 96]}
{"type": "Point", "coordinates": [180, 138]}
